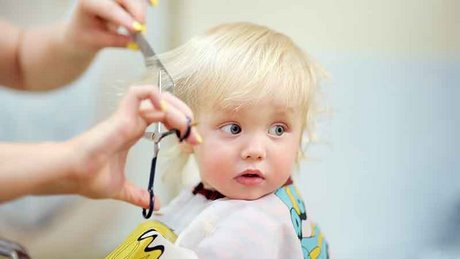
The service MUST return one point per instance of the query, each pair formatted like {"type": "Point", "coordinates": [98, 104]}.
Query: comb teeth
{"type": "Point", "coordinates": [152, 62]}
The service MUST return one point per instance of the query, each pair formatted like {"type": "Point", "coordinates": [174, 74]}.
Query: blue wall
{"type": "Point", "coordinates": [384, 178]}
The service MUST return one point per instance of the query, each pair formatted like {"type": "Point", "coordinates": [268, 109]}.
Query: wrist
{"type": "Point", "coordinates": [74, 157]}
{"type": "Point", "coordinates": [72, 43]}
{"type": "Point", "coordinates": [82, 157]}
{"type": "Point", "coordinates": [90, 152]}
{"type": "Point", "coordinates": [56, 176]}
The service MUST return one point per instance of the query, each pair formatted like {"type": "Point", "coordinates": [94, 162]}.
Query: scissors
{"type": "Point", "coordinates": [151, 61]}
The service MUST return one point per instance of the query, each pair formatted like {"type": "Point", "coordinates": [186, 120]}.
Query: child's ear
{"type": "Point", "coordinates": [186, 148]}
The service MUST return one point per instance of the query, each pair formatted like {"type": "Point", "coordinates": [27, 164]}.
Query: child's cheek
{"type": "Point", "coordinates": [286, 159]}
{"type": "Point", "coordinates": [210, 155]}
{"type": "Point", "coordinates": [217, 161]}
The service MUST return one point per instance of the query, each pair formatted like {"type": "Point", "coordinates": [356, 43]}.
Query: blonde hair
{"type": "Point", "coordinates": [236, 64]}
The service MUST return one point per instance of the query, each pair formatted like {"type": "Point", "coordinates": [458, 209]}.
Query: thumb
{"type": "Point", "coordinates": [137, 196]}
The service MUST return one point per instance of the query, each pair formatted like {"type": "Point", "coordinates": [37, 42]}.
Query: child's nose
{"type": "Point", "coordinates": [254, 149]}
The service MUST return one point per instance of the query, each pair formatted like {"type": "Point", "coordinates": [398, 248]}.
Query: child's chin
{"type": "Point", "coordinates": [247, 196]}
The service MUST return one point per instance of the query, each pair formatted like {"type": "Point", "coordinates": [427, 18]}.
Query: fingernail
{"type": "Point", "coordinates": [139, 27]}
{"type": "Point", "coordinates": [153, 2]}
{"type": "Point", "coordinates": [163, 105]}
{"type": "Point", "coordinates": [199, 139]}
{"type": "Point", "coordinates": [132, 46]}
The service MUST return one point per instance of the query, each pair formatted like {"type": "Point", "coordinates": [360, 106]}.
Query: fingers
{"type": "Point", "coordinates": [174, 116]}
{"type": "Point", "coordinates": [157, 203]}
{"type": "Point", "coordinates": [164, 108]}
{"type": "Point", "coordinates": [103, 38]}
{"type": "Point", "coordinates": [134, 195]}
{"type": "Point", "coordinates": [137, 94]}
{"type": "Point", "coordinates": [194, 137]}
{"type": "Point", "coordinates": [113, 12]}
{"type": "Point", "coordinates": [176, 102]}
{"type": "Point", "coordinates": [135, 7]}
{"type": "Point", "coordinates": [137, 196]}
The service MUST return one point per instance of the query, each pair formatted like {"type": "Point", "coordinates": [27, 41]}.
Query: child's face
{"type": "Point", "coordinates": [249, 152]}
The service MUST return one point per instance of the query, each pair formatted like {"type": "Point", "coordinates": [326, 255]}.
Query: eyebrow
{"type": "Point", "coordinates": [281, 111]}
{"type": "Point", "coordinates": [285, 110]}
{"type": "Point", "coordinates": [230, 108]}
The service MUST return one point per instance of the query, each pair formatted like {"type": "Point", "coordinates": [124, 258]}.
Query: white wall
{"type": "Point", "coordinates": [334, 25]}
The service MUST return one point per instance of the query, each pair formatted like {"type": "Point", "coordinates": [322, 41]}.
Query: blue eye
{"type": "Point", "coordinates": [232, 128]}
{"type": "Point", "coordinates": [277, 130]}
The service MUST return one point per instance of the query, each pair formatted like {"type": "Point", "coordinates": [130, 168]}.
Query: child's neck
{"type": "Point", "coordinates": [212, 194]}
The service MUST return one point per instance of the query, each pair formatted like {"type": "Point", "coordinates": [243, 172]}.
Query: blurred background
{"type": "Point", "coordinates": [383, 180]}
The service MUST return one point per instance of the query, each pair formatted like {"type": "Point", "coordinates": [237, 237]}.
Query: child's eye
{"type": "Point", "coordinates": [232, 128]}
{"type": "Point", "coordinates": [277, 130]}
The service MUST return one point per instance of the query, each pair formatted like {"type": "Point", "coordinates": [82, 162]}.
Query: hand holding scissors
{"type": "Point", "coordinates": [152, 62]}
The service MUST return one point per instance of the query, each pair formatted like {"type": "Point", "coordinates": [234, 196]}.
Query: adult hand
{"type": "Point", "coordinates": [94, 23]}
{"type": "Point", "coordinates": [101, 153]}
{"type": "Point", "coordinates": [47, 57]}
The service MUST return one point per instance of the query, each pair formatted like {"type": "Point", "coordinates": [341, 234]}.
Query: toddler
{"type": "Point", "coordinates": [252, 91]}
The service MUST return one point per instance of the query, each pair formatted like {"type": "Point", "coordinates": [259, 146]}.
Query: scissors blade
{"type": "Point", "coordinates": [155, 135]}
{"type": "Point", "coordinates": [158, 124]}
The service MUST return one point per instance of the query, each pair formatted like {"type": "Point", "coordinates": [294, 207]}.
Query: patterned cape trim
{"type": "Point", "coordinates": [313, 244]}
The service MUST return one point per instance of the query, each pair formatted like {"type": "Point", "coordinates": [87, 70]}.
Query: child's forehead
{"type": "Point", "coordinates": [265, 105]}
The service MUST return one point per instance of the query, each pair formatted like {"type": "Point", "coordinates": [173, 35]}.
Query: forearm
{"type": "Point", "coordinates": [49, 168]}
{"type": "Point", "coordinates": [47, 59]}
{"type": "Point", "coordinates": [35, 169]}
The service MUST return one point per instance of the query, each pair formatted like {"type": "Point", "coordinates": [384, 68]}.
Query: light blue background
{"type": "Point", "coordinates": [384, 180]}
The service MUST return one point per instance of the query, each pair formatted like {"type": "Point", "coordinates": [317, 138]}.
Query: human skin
{"type": "Point", "coordinates": [249, 151]}
{"type": "Point", "coordinates": [93, 163]}
{"type": "Point", "coordinates": [47, 57]}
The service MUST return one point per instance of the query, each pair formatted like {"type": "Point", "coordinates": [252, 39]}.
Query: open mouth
{"type": "Point", "coordinates": [250, 177]}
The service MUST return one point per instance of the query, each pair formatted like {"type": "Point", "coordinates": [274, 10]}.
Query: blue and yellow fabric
{"type": "Point", "coordinates": [313, 246]}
